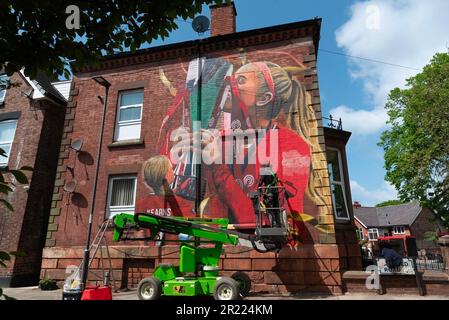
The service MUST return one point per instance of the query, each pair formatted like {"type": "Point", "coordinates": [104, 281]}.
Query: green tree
{"type": "Point", "coordinates": [417, 144]}
{"type": "Point", "coordinates": [33, 33]}
{"type": "Point", "coordinates": [389, 203]}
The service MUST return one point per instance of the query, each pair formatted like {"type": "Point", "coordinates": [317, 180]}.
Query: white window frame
{"type": "Point", "coordinates": [399, 233]}
{"type": "Point", "coordinates": [4, 161]}
{"type": "Point", "coordinates": [3, 91]}
{"type": "Point", "coordinates": [123, 123]}
{"type": "Point", "coordinates": [360, 234]}
{"type": "Point", "coordinates": [113, 210]}
{"type": "Point", "coordinates": [373, 230]}
{"type": "Point", "coordinates": [342, 184]}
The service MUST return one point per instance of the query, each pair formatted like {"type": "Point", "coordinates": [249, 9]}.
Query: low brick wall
{"type": "Point", "coordinates": [433, 282]}
{"type": "Point", "coordinates": [312, 268]}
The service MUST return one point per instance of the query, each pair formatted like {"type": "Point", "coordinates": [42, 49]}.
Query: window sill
{"type": "Point", "coordinates": [126, 143]}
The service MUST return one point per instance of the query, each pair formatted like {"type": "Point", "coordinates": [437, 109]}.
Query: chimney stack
{"type": "Point", "coordinates": [357, 205]}
{"type": "Point", "coordinates": [222, 19]}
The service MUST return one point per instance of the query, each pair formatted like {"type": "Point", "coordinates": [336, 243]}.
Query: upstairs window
{"type": "Point", "coordinates": [399, 230]}
{"type": "Point", "coordinates": [335, 169]}
{"type": "Point", "coordinates": [373, 234]}
{"type": "Point", "coordinates": [4, 80]}
{"type": "Point", "coordinates": [360, 235]}
{"type": "Point", "coordinates": [122, 195]}
{"type": "Point", "coordinates": [7, 133]}
{"type": "Point", "coordinates": [129, 117]}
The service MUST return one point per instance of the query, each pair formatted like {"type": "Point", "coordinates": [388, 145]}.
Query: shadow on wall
{"type": "Point", "coordinates": [304, 270]}
{"type": "Point", "coordinates": [87, 160]}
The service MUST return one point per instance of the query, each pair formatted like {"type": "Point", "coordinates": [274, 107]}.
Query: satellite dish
{"type": "Point", "coordinates": [77, 145]}
{"type": "Point", "coordinates": [200, 24]}
{"type": "Point", "coordinates": [70, 186]}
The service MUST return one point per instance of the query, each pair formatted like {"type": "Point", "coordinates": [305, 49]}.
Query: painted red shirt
{"type": "Point", "coordinates": [229, 186]}
{"type": "Point", "coordinates": [169, 205]}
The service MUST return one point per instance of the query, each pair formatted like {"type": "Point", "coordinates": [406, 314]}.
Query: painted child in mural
{"type": "Point", "coordinates": [264, 96]}
{"type": "Point", "coordinates": [158, 175]}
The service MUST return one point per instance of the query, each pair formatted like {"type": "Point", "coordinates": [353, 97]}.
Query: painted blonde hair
{"type": "Point", "coordinates": [155, 171]}
{"type": "Point", "coordinates": [291, 107]}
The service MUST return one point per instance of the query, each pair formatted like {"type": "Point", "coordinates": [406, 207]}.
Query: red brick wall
{"type": "Point", "coordinates": [433, 283]}
{"type": "Point", "coordinates": [427, 221]}
{"type": "Point", "coordinates": [309, 269]}
{"type": "Point", "coordinates": [36, 144]}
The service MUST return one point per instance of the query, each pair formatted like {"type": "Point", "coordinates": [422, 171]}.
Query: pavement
{"type": "Point", "coordinates": [34, 293]}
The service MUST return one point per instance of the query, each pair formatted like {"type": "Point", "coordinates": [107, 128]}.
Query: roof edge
{"type": "Point", "coordinates": [313, 25]}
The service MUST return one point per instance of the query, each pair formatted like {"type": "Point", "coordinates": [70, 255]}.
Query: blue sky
{"type": "Point", "coordinates": [404, 32]}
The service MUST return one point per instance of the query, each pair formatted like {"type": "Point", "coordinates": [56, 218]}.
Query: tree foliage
{"type": "Point", "coordinates": [417, 143]}
{"type": "Point", "coordinates": [389, 203]}
{"type": "Point", "coordinates": [33, 33]}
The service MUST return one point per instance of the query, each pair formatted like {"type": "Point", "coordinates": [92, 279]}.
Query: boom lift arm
{"type": "Point", "coordinates": [197, 273]}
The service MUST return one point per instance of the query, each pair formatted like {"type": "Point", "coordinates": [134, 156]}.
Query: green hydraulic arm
{"type": "Point", "coordinates": [196, 227]}
{"type": "Point", "coordinates": [192, 257]}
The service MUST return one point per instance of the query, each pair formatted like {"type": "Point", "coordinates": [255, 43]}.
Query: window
{"type": "Point", "coordinates": [373, 234]}
{"type": "Point", "coordinates": [4, 79]}
{"type": "Point", "coordinates": [122, 195]}
{"type": "Point", "coordinates": [398, 230]}
{"type": "Point", "coordinates": [337, 184]}
{"type": "Point", "coordinates": [129, 117]}
{"type": "Point", "coordinates": [7, 132]}
{"type": "Point", "coordinates": [360, 234]}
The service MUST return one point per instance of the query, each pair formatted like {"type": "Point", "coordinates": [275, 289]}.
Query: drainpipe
{"type": "Point", "coordinates": [104, 83]}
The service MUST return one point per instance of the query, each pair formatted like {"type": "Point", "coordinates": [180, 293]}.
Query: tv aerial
{"type": "Point", "coordinates": [200, 24]}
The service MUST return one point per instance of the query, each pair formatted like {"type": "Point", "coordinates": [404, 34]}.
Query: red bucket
{"type": "Point", "coordinates": [97, 293]}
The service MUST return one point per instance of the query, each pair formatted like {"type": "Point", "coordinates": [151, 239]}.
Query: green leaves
{"type": "Point", "coordinates": [416, 146]}
{"type": "Point", "coordinates": [4, 256]}
{"type": "Point", "coordinates": [20, 176]}
{"type": "Point", "coordinates": [7, 204]}
{"type": "Point", "coordinates": [389, 203]}
{"type": "Point", "coordinates": [45, 43]}
{"type": "Point", "coordinates": [6, 185]}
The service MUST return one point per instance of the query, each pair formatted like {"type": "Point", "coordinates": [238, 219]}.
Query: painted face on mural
{"type": "Point", "coordinates": [256, 101]}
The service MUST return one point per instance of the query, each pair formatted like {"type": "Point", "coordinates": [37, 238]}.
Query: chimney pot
{"type": "Point", "coordinates": [223, 19]}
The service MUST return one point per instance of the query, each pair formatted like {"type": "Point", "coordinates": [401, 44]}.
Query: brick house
{"type": "Point", "coordinates": [31, 128]}
{"type": "Point", "coordinates": [407, 219]}
{"type": "Point", "coordinates": [146, 87]}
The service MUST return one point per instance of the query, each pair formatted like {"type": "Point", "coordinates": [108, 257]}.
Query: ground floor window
{"type": "Point", "coordinates": [335, 168]}
{"type": "Point", "coordinates": [7, 132]}
{"type": "Point", "coordinates": [122, 195]}
{"type": "Point", "coordinates": [360, 234]}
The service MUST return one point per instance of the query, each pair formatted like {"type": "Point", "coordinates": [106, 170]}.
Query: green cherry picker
{"type": "Point", "coordinates": [198, 271]}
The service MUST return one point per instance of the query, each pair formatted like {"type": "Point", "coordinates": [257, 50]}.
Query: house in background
{"type": "Point", "coordinates": [407, 219]}
{"type": "Point", "coordinates": [32, 115]}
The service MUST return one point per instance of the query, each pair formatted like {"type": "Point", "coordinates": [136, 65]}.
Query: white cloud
{"type": "Point", "coordinates": [370, 198]}
{"type": "Point", "coordinates": [403, 32]}
{"type": "Point", "coordinates": [361, 121]}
